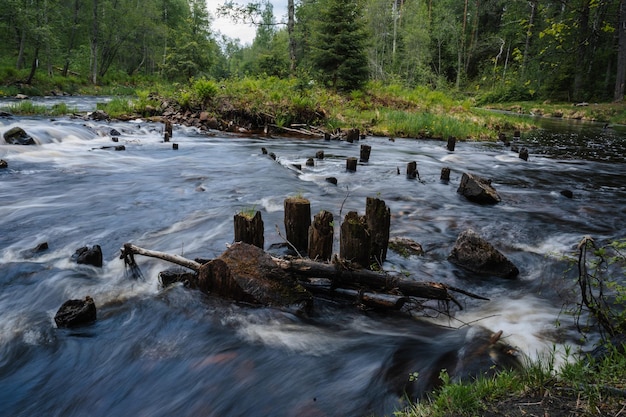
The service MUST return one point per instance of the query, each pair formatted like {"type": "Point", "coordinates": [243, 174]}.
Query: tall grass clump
{"type": "Point", "coordinates": [28, 108]}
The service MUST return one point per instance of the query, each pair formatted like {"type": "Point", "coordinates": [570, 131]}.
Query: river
{"type": "Point", "coordinates": [163, 352]}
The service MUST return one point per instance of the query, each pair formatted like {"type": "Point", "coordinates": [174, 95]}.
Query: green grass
{"type": "Point", "coordinates": [586, 385]}
{"type": "Point", "coordinates": [28, 108]}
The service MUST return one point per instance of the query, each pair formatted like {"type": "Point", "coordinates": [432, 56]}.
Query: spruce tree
{"type": "Point", "coordinates": [339, 45]}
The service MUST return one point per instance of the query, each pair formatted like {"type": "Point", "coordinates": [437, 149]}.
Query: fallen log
{"type": "Point", "coordinates": [341, 277]}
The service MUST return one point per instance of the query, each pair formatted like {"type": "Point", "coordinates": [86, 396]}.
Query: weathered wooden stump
{"type": "Point", "coordinates": [319, 154]}
{"type": "Point", "coordinates": [354, 241]}
{"type": "Point", "coordinates": [517, 134]}
{"type": "Point", "coordinates": [321, 234]}
{"type": "Point", "coordinates": [297, 222]}
{"type": "Point", "coordinates": [411, 170]}
{"type": "Point", "coordinates": [365, 153]}
{"type": "Point", "coordinates": [249, 229]}
{"type": "Point", "coordinates": [175, 146]}
{"type": "Point", "coordinates": [353, 135]}
{"type": "Point", "coordinates": [351, 164]}
{"type": "Point", "coordinates": [169, 129]}
{"type": "Point", "coordinates": [327, 136]}
{"type": "Point", "coordinates": [166, 137]}
{"type": "Point", "coordinates": [310, 162]}
{"type": "Point", "coordinates": [445, 174]}
{"type": "Point", "coordinates": [523, 154]}
{"type": "Point", "coordinates": [332, 180]}
{"type": "Point", "coordinates": [378, 217]}
{"type": "Point", "coordinates": [451, 143]}
{"type": "Point", "coordinates": [264, 151]}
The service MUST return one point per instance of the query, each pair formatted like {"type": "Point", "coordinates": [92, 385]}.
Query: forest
{"type": "Point", "coordinates": [499, 50]}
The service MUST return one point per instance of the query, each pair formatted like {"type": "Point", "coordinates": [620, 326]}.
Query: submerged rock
{"type": "Point", "coordinates": [76, 313]}
{"type": "Point", "coordinates": [478, 189]}
{"type": "Point", "coordinates": [18, 136]}
{"type": "Point", "coordinates": [3, 164]}
{"type": "Point", "coordinates": [88, 256]}
{"type": "Point", "coordinates": [475, 254]}
{"type": "Point", "coordinates": [405, 247]}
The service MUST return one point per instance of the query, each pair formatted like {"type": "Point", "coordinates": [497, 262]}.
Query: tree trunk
{"type": "Point", "coordinates": [94, 44]}
{"type": "Point", "coordinates": [581, 51]}
{"type": "Point", "coordinates": [297, 222]}
{"type": "Point", "coordinates": [620, 78]}
{"type": "Point", "coordinates": [33, 67]}
{"type": "Point", "coordinates": [354, 241]}
{"type": "Point", "coordinates": [249, 229]}
{"type": "Point", "coordinates": [72, 40]}
{"type": "Point", "coordinates": [378, 217]}
{"type": "Point", "coordinates": [529, 33]}
{"type": "Point", "coordinates": [321, 235]}
{"type": "Point", "coordinates": [291, 21]}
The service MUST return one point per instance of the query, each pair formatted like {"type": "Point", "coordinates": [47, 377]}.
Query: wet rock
{"type": "Point", "coordinates": [21, 97]}
{"type": "Point", "coordinates": [99, 115]}
{"type": "Point", "coordinates": [475, 254]}
{"type": "Point", "coordinates": [523, 154]}
{"type": "Point", "coordinates": [405, 246]}
{"type": "Point", "coordinates": [567, 193]}
{"type": "Point", "coordinates": [3, 164]}
{"type": "Point", "coordinates": [5, 114]}
{"type": "Point", "coordinates": [88, 256]}
{"type": "Point", "coordinates": [172, 276]}
{"type": "Point", "coordinates": [478, 190]}
{"type": "Point", "coordinates": [18, 136]}
{"type": "Point", "coordinates": [76, 313]}
{"type": "Point", "coordinates": [246, 273]}
{"type": "Point", "coordinates": [332, 180]}
{"type": "Point", "coordinates": [114, 132]}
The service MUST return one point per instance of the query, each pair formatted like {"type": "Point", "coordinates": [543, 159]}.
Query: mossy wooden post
{"type": "Point", "coordinates": [378, 217]}
{"type": "Point", "coordinates": [365, 153]}
{"type": "Point", "coordinates": [297, 222]}
{"type": "Point", "coordinates": [411, 170]}
{"type": "Point", "coordinates": [451, 143]}
{"type": "Point", "coordinates": [321, 234]}
{"type": "Point", "coordinates": [351, 164]}
{"type": "Point", "coordinates": [354, 241]}
{"type": "Point", "coordinates": [249, 229]}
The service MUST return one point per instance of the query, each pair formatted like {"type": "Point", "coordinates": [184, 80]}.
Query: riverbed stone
{"type": "Point", "coordinates": [88, 256]}
{"type": "Point", "coordinates": [3, 164]}
{"type": "Point", "coordinates": [473, 253]}
{"type": "Point", "coordinates": [76, 313]}
{"type": "Point", "coordinates": [18, 136]}
{"type": "Point", "coordinates": [478, 190]}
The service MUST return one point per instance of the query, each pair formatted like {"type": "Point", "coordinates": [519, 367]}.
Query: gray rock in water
{"type": "Point", "coordinates": [3, 164]}
{"type": "Point", "coordinates": [18, 136]}
{"type": "Point", "coordinates": [478, 190]}
{"type": "Point", "coordinates": [76, 313]}
{"type": "Point", "coordinates": [475, 254]}
{"type": "Point", "coordinates": [88, 256]}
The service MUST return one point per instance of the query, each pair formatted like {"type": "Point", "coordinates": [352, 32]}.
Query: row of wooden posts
{"type": "Point", "coordinates": [363, 239]}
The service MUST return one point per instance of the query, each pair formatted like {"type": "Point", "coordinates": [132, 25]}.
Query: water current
{"type": "Point", "coordinates": [164, 352]}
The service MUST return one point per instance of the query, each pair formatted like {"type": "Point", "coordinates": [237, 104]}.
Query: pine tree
{"type": "Point", "coordinates": [339, 45]}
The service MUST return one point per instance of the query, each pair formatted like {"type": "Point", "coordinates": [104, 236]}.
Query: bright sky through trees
{"type": "Point", "coordinates": [245, 33]}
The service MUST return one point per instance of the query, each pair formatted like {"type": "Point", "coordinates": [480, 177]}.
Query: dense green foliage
{"type": "Point", "coordinates": [501, 50]}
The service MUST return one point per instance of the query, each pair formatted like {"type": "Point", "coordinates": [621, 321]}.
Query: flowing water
{"type": "Point", "coordinates": [163, 352]}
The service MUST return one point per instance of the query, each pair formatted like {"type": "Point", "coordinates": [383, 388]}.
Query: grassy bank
{"type": "Point", "coordinates": [583, 387]}
{"type": "Point", "coordinates": [612, 113]}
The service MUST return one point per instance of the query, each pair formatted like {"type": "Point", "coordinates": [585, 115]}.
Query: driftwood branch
{"type": "Point", "coordinates": [130, 249]}
{"type": "Point", "coordinates": [369, 287]}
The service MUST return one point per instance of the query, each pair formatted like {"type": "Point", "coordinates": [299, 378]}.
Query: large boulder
{"type": "Point", "coordinates": [18, 136]}
{"type": "Point", "coordinates": [478, 189]}
{"type": "Point", "coordinates": [475, 254]}
{"type": "Point", "coordinates": [76, 313]}
{"type": "Point", "coordinates": [88, 256]}
{"type": "Point", "coordinates": [246, 273]}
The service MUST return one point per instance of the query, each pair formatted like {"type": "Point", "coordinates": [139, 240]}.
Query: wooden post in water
{"type": "Point", "coordinates": [319, 154]}
{"type": "Point", "coordinates": [354, 241]}
{"type": "Point", "coordinates": [411, 170]}
{"type": "Point", "coordinates": [166, 137]}
{"type": "Point", "coordinates": [351, 164]}
{"type": "Point", "coordinates": [451, 143]}
{"type": "Point", "coordinates": [365, 153]}
{"type": "Point", "coordinates": [249, 229]}
{"type": "Point", "coordinates": [168, 129]}
{"type": "Point", "coordinates": [175, 146]}
{"type": "Point", "coordinates": [378, 217]}
{"type": "Point", "coordinates": [445, 174]}
{"type": "Point", "coordinates": [321, 234]}
{"type": "Point", "coordinates": [310, 162]}
{"type": "Point", "coordinates": [297, 222]}
{"type": "Point", "coordinates": [523, 154]}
